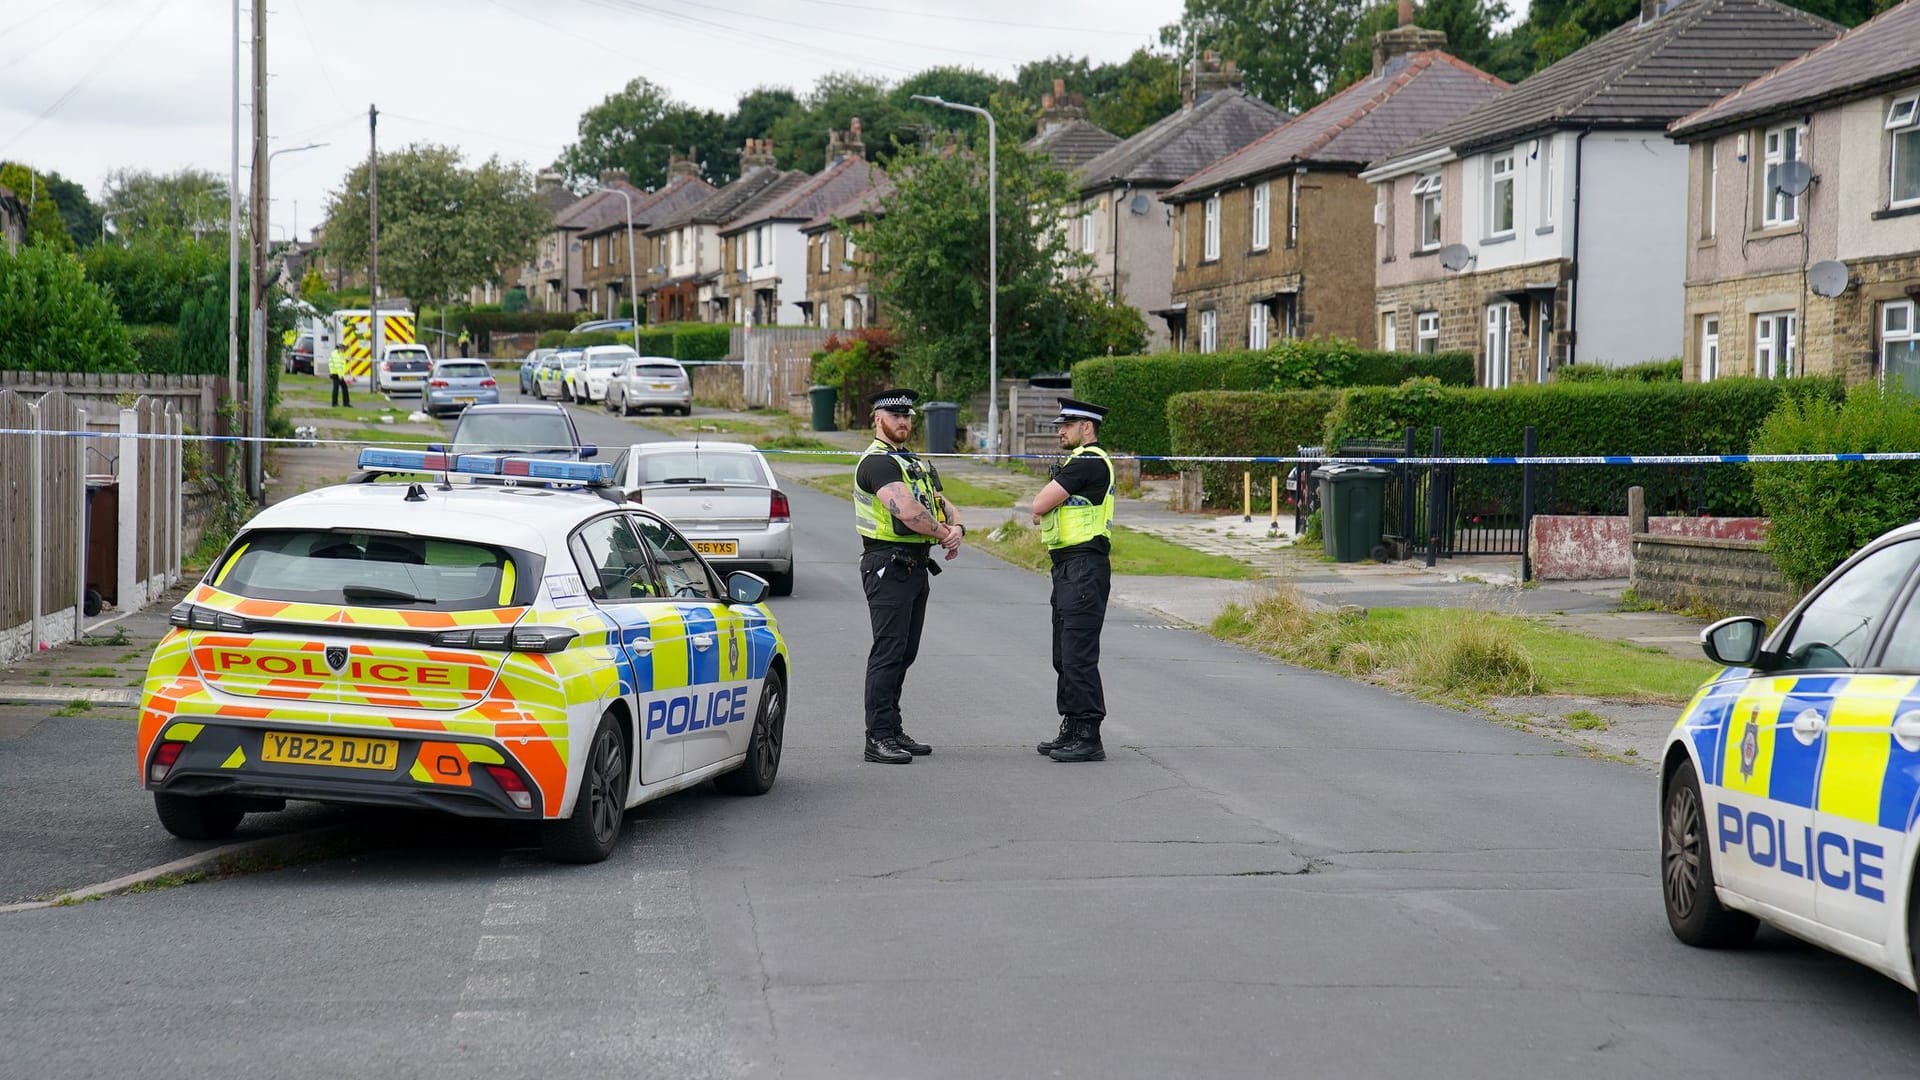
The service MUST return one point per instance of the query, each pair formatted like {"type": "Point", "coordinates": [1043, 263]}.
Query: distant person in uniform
{"type": "Point", "coordinates": [900, 514]}
{"type": "Point", "coordinates": [337, 372]}
{"type": "Point", "coordinates": [464, 341]}
{"type": "Point", "coordinates": [1075, 515]}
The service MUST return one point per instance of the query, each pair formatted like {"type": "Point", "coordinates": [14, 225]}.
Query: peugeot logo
{"type": "Point", "coordinates": [336, 657]}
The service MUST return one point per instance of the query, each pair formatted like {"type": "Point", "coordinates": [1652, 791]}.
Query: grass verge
{"type": "Point", "coordinates": [1134, 553]}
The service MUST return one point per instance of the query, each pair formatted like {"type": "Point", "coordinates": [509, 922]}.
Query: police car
{"type": "Point", "coordinates": [1791, 785]}
{"type": "Point", "coordinates": [533, 649]}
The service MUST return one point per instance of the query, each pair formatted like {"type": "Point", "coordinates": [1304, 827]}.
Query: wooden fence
{"type": "Point", "coordinates": [55, 479]}
{"type": "Point", "coordinates": [778, 365]}
{"type": "Point", "coordinates": [196, 398]}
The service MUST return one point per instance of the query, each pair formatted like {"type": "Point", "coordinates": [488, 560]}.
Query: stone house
{"type": "Point", "coordinates": [839, 283]}
{"type": "Point", "coordinates": [764, 251]}
{"type": "Point", "coordinates": [1546, 227]}
{"type": "Point", "coordinates": [1271, 241]}
{"type": "Point", "coordinates": [605, 274]}
{"type": "Point", "coordinates": [1119, 223]}
{"type": "Point", "coordinates": [1756, 225]}
{"type": "Point", "coordinates": [1065, 134]}
{"type": "Point", "coordinates": [543, 277]}
{"type": "Point", "coordinates": [683, 280]}
{"type": "Point", "coordinates": [563, 279]}
{"type": "Point", "coordinates": [13, 220]}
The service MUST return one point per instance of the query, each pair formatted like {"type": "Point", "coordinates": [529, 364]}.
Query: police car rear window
{"type": "Point", "coordinates": [368, 570]}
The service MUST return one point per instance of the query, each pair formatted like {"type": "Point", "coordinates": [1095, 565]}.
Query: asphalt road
{"type": "Point", "coordinates": [1276, 873]}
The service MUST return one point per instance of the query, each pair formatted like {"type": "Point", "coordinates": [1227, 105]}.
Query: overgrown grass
{"type": "Point", "coordinates": [1134, 553]}
{"type": "Point", "coordinates": [76, 707]}
{"type": "Point", "coordinates": [1587, 720]}
{"type": "Point", "coordinates": [810, 454]}
{"type": "Point", "coordinates": [1458, 655]}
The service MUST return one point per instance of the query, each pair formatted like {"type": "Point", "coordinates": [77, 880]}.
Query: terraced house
{"type": "Point", "coordinates": [1548, 226]}
{"type": "Point", "coordinates": [1803, 217]}
{"type": "Point", "coordinates": [839, 282]}
{"type": "Point", "coordinates": [606, 273]}
{"type": "Point", "coordinates": [767, 252]}
{"type": "Point", "coordinates": [1275, 242]}
{"type": "Point", "coordinates": [683, 281]}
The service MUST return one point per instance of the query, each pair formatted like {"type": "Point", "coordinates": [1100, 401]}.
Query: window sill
{"type": "Point", "coordinates": [1894, 212]}
{"type": "Point", "coordinates": [1544, 230]}
{"type": "Point", "coordinates": [1210, 262]}
{"type": "Point", "coordinates": [1707, 242]}
{"type": "Point", "coordinates": [1768, 232]}
{"type": "Point", "coordinates": [1425, 253]}
{"type": "Point", "coordinates": [1259, 249]}
{"type": "Point", "coordinates": [1388, 259]}
{"type": "Point", "coordinates": [1491, 240]}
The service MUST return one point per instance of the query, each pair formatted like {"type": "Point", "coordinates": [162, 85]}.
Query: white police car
{"type": "Point", "coordinates": [534, 649]}
{"type": "Point", "coordinates": [1790, 787]}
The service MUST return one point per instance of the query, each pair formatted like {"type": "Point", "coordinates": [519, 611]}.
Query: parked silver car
{"type": "Point", "coordinates": [650, 382]}
{"type": "Point", "coordinates": [404, 370]}
{"type": "Point", "coordinates": [456, 384]}
{"type": "Point", "coordinates": [723, 497]}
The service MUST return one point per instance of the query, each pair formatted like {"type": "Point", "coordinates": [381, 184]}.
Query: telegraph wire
{"type": "Point", "coordinates": [73, 91]}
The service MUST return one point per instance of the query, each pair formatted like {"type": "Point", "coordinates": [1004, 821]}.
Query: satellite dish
{"type": "Point", "coordinates": [1794, 178]}
{"type": "Point", "coordinates": [1455, 257]}
{"type": "Point", "coordinates": [1828, 277]}
{"type": "Point", "coordinates": [1140, 204]}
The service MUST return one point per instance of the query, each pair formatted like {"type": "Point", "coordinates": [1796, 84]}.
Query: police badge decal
{"type": "Point", "coordinates": [1750, 745]}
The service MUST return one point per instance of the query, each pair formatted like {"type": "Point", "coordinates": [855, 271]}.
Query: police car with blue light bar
{"type": "Point", "coordinates": [1790, 787]}
{"type": "Point", "coordinates": [504, 638]}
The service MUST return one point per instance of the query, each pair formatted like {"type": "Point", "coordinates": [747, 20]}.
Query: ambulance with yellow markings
{"type": "Point", "coordinates": [1790, 788]}
{"type": "Point", "coordinates": [505, 638]}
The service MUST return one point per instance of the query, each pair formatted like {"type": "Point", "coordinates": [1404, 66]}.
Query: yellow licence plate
{"type": "Point", "coordinates": [717, 547]}
{"type": "Point", "coordinates": [662, 386]}
{"type": "Point", "coordinates": [339, 751]}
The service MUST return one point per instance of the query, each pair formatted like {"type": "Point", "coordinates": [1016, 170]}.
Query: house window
{"type": "Point", "coordinates": [849, 255]}
{"type": "Point", "coordinates": [1293, 210]}
{"type": "Point", "coordinates": [1262, 216]}
{"type": "Point", "coordinates": [1500, 196]}
{"type": "Point", "coordinates": [1709, 186]}
{"type": "Point", "coordinates": [849, 309]}
{"type": "Point", "coordinates": [1774, 344]}
{"type": "Point", "coordinates": [1213, 229]}
{"type": "Point", "coordinates": [1783, 144]}
{"type": "Point", "coordinates": [1389, 334]}
{"type": "Point", "coordinates": [1086, 229]}
{"type": "Point", "coordinates": [739, 252]}
{"type": "Point", "coordinates": [1903, 152]}
{"type": "Point", "coordinates": [1426, 332]}
{"type": "Point", "coordinates": [593, 252]}
{"type": "Point", "coordinates": [1900, 345]}
{"type": "Point", "coordinates": [1709, 347]}
{"type": "Point", "coordinates": [1499, 346]}
{"type": "Point", "coordinates": [759, 254]}
{"type": "Point", "coordinates": [766, 245]}
{"type": "Point", "coordinates": [826, 252]}
{"type": "Point", "coordinates": [1426, 198]}
{"type": "Point", "coordinates": [1209, 330]}
{"type": "Point", "coordinates": [1256, 326]}
{"type": "Point", "coordinates": [823, 316]}
{"type": "Point", "coordinates": [1546, 182]}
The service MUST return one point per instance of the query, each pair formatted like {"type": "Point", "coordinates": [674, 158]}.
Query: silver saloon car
{"type": "Point", "coordinates": [456, 384]}
{"type": "Point", "coordinates": [723, 497]}
{"type": "Point", "coordinates": [650, 382]}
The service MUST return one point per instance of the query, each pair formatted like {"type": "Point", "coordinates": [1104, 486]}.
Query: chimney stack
{"type": "Point", "coordinates": [842, 145]}
{"type": "Point", "coordinates": [679, 165]}
{"type": "Point", "coordinates": [610, 177]}
{"type": "Point", "coordinates": [1404, 40]}
{"type": "Point", "coordinates": [1653, 9]}
{"type": "Point", "coordinates": [1211, 74]}
{"type": "Point", "coordinates": [757, 154]}
{"type": "Point", "coordinates": [1059, 107]}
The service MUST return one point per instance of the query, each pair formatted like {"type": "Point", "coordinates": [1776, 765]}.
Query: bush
{"type": "Point", "coordinates": [577, 340]}
{"type": "Point", "coordinates": [651, 340]}
{"type": "Point", "coordinates": [1225, 423]}
{"type": "Point", "coordinates": [551, 339]}
{"type": "Point", "coordinates": [482, 324]}
{"type": "Point", "coordinates": [515, 301]}
{"type": "Point", "coordinates": [53, 319]}
{"type": "Point", "coordinates": [150, 279]}
{"type": "Point", "coordinates": [156, 346]}
{"type": "Point", "coordinates": [1822, 512]}
{"type": "Point", "coordinates": [1655, 371]}
{"type": "Point", "coordinates": [702, 341]}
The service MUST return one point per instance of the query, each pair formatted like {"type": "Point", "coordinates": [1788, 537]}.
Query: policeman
{"type": "Point", "coordinates": [464, 342]}
{"type": "Point", "coordinates": [900, 514]}
{"type": "Point", "coordinates": [337, 371]}
{"type": "Point", "coordinates": [1075, 515]}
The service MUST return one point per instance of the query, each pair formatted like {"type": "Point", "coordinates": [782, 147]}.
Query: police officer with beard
{"type": "Point", "coordinates": [900, 514]}
{"type": "Point", "coordinates": [1075, 515]}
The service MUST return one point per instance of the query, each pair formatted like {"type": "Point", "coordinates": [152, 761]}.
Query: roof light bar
{"type": "Point", "coordinates": [589, 473]}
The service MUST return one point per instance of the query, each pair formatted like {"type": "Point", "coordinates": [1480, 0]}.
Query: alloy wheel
{"type": "Point", "coordinates": [1682, 850]}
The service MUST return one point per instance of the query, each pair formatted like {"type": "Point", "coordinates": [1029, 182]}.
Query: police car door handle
{"type": "Point", "coordinates": [1906, 731]}
{"type": "Point", "coordinates": [640, 647]}
{"type": "Point", "coordinates": [1808, 725]}
{"type": "Point", "coordinates": [703, 642]}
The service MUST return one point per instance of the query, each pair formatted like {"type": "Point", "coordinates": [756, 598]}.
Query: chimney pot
{"type": "Point", "coordinates": [1059, 87]}
{"type": "Point", "coordinates": [1406, 12]}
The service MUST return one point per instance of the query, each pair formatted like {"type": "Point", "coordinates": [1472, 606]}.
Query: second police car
{"type": "Point", "coordinates": [533, 650]}
{"type": "Point", "coordinates": [1790, 788]}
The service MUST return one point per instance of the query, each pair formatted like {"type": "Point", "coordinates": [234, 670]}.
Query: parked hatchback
{"type": "Point", "coordinates": [456, 384]}
{"type": "Point", "coordinates": [650, 382]}
{"type": "Point", "coordinates": [723, 496]}
{"type": "Point", "coordinates": [404, 370]}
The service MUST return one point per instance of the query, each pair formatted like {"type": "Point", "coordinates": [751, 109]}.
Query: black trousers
{"type": "Point", "coordinates": [897, 605]}
{"type": "Point", "coordinates": [1080, 587]}
{"type": "Point", "coordinates": [342, 391]}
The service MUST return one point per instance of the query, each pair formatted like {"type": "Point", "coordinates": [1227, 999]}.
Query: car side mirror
{"type": "Point", "coordinates": [436, 448]}
{"type": "Point", "coordinates": [588, 450]}
{"type": "Point", "coordinates": [744, 587]}
{"type": "Point", "coordinates": [1734, 642]}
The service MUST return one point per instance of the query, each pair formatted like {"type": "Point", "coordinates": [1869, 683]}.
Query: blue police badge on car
{"type": "Point", "coordinates": [1750, 745]}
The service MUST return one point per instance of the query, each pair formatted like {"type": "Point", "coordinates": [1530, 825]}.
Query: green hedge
{"type": "Point", "coordinates": [1246, 424]}
{"type": "Point", "coordinates": [1654, 371]}
{"type": "Point", "coordinates": [702, 341]}
{"type": "Point", "coordinates": [577, 340]}
{"type": "Point", "coordinates": [482, 324]}
{"type": "Point", "coordinates": [1137, 388]}
{"type": "Point", "coordinates": [651, 341]}
{"type": "Point", "coordinates": [157, 347]}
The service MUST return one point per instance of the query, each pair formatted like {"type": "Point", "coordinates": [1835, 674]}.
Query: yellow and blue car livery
{"type": "Point", "coordinates": [480, 710]}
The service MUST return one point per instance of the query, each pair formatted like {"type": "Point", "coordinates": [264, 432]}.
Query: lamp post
{"type": "Point", "coordinates": [104, 218]}
{"type": "Point", "coordinates": [993, 265]}
{"type": "Point", "coordinates": [633, 292]}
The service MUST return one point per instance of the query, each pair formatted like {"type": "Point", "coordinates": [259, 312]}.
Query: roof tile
{"type": "Point", "coordinates": [1179, 145]}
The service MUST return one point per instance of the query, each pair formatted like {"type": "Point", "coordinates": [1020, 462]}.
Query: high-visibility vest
{"type": "Point", "coordinates": [1079, 519]}
{"type": "Point", "coordinates": [337, 363]}
{"type": "Point", "coordinates": [873, 519]}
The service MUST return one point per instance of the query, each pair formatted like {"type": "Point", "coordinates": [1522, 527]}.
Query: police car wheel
{"type": "Point", "coordinates": [1694, 911]}
{"type": "Point", "coordinates": [756, 774]}
{"type": "Point", "coordinates": [588, 834]}
{"type": "Point", "coordinates": [196, 817]}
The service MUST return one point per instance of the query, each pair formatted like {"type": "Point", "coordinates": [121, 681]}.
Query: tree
{"type": "Point", "coordinates": [636, 130]}
{"type": "Point", "coordinates": [45, 227]}
{"type": "Point", "coordinates": [53, 319]}
{"type": "Point", "coordinates": [1124, 98]}
{"type": "Point", "coordinates": [153, 274]}
{"type": "Point", "coordinates": [444, 228]}
{"type": "Point", "coordinates": [800, 137]}
{"type": "Point", "coordinates": [1289, 49]}
{"type": "Point", "coordinates": [77, 212]}
{"type": "Point", "coordinates": [1468, 25]}
{"type": "Point", "coordinates": [191, 201]}
{"type": "Point", "coordinates": [754, 117]}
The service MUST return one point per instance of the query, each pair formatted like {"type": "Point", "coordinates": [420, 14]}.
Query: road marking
{"type": "Point", "coordinates": [515, 914]}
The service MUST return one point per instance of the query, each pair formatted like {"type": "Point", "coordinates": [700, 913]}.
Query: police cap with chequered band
{"type": "Point", "coordinates": [1071, 410]}
{"type": "Point", "coordinates": [896, 400]}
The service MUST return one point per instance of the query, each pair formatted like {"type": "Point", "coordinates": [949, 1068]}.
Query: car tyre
{"type": "Point", "coordinates": [1694, 911]}
{"type": "Point", "coordinates": [197, 817]}
{"type": "Point", "coordinates": [589, 833]}
{"type": "Point", "coordinates": [756, 774]}
{"type": "Point", "coordinates": [781, 584]}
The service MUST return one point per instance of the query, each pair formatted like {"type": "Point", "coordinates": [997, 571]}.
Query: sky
{"type": "Point", "coordinates": [90, 86]}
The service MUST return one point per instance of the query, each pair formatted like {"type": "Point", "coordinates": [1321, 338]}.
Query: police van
{"type": "Point", "coordinates": [1790, 787]}
{"type": "Point", "coordinates": [506, 638]}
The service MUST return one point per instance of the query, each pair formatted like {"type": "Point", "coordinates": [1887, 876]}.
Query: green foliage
{"type": "Point", "coordinates": [515, 301]}
{"type": "Point", "coordinates": [45, 227]}
{"type": "Point", "coordinates": [651, 340]}
{"type": "Point", "coordinates": [1822, 512]}
{"type": "Point", "coordinates": [636, 129]}
{"type": "Point", "coordinates": [53, 319]}
{"type": "Point", "coordinates": [157, 346]}
{"type": "Point", "coordinates": [702, 341]}
{"type": "Point", "coordinates": [1224, 423]}
{"type": "Point", "coordinates": [1468, 24]}
{"type": "Point", "coordinates": [1653, 371]}
{"type": "Point", "coordinates": [1124, 98]}
{"type": "Point", "coordinates": [863, 358]}
{"type": "Point", "coordinates": [1289, 49]}
{"type": "Point", "coordinates": [189, 203]}
{"type": "Point", "coordinates": [152, 276]}
{"type": "Point", "coordinates": [551, 339]}
{"type": "Point", "coordinates": [577, 340]}
{"type": "Point", "coordinates": [77, 213]}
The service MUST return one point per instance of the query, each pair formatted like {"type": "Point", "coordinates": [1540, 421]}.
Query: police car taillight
{"type": "Point", "coordinates": [780, 510]}
{"type": "Point", "coordinates": [163, 760]}
{"type": "Point", "coordinates": [511, 783]}
{"type": "Point", "coordinates": [541, 639]}
{"type": "Point", "coordinates": [195, 617]}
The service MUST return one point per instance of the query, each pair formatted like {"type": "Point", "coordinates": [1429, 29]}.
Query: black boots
{"type": "Point", "coordinates": [887, 750]}
{"type": "Point", "coordinates": [1084, 745]}
{"type": "Point", "coordinates": [907, 743]}
{"type": "Point", "coordinates": [1064, 737]}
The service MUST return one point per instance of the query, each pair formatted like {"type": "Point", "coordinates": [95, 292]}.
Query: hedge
{"type": "Point", "coordinates": [482, 324]}
{"type": "Point", "coordinates": [651, 341]}
{"type": "Point", "coordinates": [1137, 388]}
{"type": "Point", "coordinates": [577, 340]}
{"type": "Point", "coordinates": [1654, 371]}
{"type": "Point", "coordinates": [702, 341]}
{"type": "Point", "coordinates": [157, 347]}
{"type": "Point", "coordinates": [1245, 424]}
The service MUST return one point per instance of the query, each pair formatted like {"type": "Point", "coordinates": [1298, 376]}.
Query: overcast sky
{"type": "Point", "coordinates": [88, 86]}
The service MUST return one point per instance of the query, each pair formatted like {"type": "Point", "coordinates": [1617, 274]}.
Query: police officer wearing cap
{"type": "Point", "coordinates": [901, 515]}
{"type": "Point", "coordinates": [1075, 515]}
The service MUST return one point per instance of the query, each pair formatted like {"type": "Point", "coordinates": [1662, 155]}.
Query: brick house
{"type": "Point", "coordinates": [683, 280]}
{"type": "Point", "coordinates": [13, 221]}
{"type": "Point", "coordinates": [1270, 241]}
{"type": "Point", "coordinates": [1064, 133]}
{"type": "Point", "coordinates": [1546, 227]}
{"type": "Point", "coordinates": [1119, 223]}
{"type": "Point", "coordinates": [766, 252]}
{"type": "Point", "coordinates": [1850, 111]}
{"type": "Point", "coordinates": [839, 282]}
{"type": "Point", "coordinates": [543, 276]}
{"type": "Point", "coordinates": [564, 282]}
{"type": "Point", "coordinates": [604, 274]}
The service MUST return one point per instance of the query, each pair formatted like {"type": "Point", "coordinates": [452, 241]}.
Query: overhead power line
{"type": "Point", "coordinates": [976, 19]}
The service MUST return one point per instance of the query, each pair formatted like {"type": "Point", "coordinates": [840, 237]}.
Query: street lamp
{"type": "Point", "coordinates": [633, 291]}
{"type": "Point", "coordinates": [993, 264]}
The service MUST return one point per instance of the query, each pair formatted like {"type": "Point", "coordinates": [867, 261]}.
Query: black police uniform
{"type": "Point", "coordinates": [1082, 579]}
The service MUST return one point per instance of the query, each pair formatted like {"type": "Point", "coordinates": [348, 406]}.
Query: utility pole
{"type": "Point", "coordinates": [373, 244]}
{"type": "Point", "coordinates": [233, 223]}
{"type": "Point", "coordinates": [257, 265]}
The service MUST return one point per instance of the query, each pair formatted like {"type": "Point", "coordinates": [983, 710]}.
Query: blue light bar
{"type": "Point", "coordinates": [590, 473]}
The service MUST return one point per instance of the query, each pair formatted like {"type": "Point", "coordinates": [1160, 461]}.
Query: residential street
{"type": "Point", "coordinates": [1276, 873]}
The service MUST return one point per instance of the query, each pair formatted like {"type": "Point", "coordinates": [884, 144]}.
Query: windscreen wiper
{"type": "Point", "coordinates": [376, 593]}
